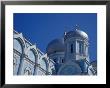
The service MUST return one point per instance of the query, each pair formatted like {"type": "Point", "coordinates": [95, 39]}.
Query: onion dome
{"type": "Point", "coordinates": [76, 33]}
{"type": "Point", "coordinates": [57, 45]}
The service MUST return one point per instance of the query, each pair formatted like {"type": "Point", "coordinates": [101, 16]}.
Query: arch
{"type": "Point", "coordinates": [18, 45]}
{"type": "Point", "coordinates": [44, 62]}
{"type": "Point", "coordinates": [20, 38]}
{"type": "Point", "coordinates": [27, 71]}
{"type": "Point", "coordinates": [31, 55]}
{"type": "Point", "coordinates": [32, 50]}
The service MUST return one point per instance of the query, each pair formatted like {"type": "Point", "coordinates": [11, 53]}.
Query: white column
{"type": "Point", "coordinates": [76, 46]}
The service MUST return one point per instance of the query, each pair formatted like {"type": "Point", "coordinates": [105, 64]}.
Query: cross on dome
{"type": "Point", "coordinates": [77, 27]}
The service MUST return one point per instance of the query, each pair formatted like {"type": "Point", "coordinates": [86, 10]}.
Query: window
{"type": "Point", "coordinates": [71, 48]}
{"type": "Point", "coordinates": [55, 60]}
{"type": "Point", "coordinates": [27, 71]}
{"type": "Point", "coordinates": [62, 60]}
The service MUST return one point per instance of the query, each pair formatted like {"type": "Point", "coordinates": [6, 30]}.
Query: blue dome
{"type": "Point", "coordinates": [57, 45]}
{"type": "Point", "coordinates": [76, 33]}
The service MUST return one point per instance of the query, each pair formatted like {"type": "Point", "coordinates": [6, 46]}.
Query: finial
{"type": "Point", "coordinates": [77, 27]}
{"type": "Point", "coordinates": [65, 29]}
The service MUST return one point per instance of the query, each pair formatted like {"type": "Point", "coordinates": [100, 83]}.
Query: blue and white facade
{"type": "Point", "coordinates": [64, 56]}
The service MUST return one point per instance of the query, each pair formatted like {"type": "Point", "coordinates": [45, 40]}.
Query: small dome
{"type": "Point", "coordinates": [57, 45]}
{"type": "Point", "coordinates": [76, 33]}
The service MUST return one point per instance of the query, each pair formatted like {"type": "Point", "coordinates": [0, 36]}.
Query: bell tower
{"type": "Point", "coordinates": [76, 47]}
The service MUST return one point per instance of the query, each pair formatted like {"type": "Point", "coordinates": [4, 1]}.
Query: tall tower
{"type": "Point", "coordinates": [76, 43]}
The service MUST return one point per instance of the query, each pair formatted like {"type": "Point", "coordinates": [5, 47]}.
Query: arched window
{"type": "Point", "coordinates": [27, 71]}
{"type": "Point", "coordinates": [17, 46]}
{"type": "Point", "coordinates": [31, 55]}
{"type": "Point", "coordinates": [71, 48]}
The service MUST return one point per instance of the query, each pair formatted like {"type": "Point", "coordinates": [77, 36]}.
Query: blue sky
{"type": "Point", "coordinates": [41, 28]}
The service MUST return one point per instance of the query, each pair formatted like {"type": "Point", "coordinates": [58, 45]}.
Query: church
{"type": "Point", "coordinates": [64, 56]}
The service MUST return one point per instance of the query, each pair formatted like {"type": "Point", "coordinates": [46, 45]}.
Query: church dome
{"type": "Point", "coordinates": [76, 33]}
{"type": "Point", "coordinates": [57, 45]}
